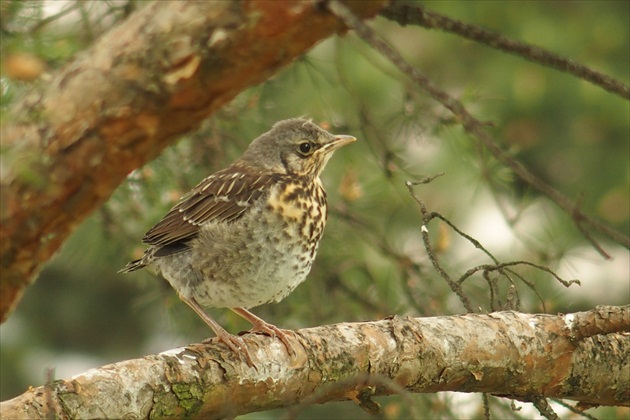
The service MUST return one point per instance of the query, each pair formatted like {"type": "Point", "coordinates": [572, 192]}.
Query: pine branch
{"type": "Point", "coordinates": [584, 223]}
{"type": "Point", "coordinates": [406, 14]}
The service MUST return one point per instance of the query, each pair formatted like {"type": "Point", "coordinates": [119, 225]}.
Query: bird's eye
{"type": "Point", "coordinates": [305, 148]}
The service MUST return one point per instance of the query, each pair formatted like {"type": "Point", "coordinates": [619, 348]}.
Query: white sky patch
{"type": "Point", "coordinates": [603, 282]}
{"type": "Point", "coordinates": [488, 226]}
{"type": "Point", "coordinates": [486, 223]}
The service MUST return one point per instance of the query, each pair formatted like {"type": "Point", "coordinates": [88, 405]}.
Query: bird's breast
{"type": "Point", "coordinates": [263, 256]}
{"type": "Point", "coordinates": [301, 205]}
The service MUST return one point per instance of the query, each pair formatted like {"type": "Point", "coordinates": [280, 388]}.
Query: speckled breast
{"type": "Point", "coordinates": [303, 210]}
{"type": "Point", "coordinates": [261, 257]}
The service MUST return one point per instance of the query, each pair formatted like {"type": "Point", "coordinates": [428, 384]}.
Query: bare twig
{"type": "Point", "coordinates": [513, 300]}
{"type": "Point", "coordinates": [544, 408]}
{"type": "Point", "coordinates": [486, 406]}
{"type": "Point", "coordinates": [573, 409]}
{"type": "Point", "coordinates": [359, 384]}
{"type": "Point", "coordinates": [406, 14]}
{"type": "Point", "coordinates": [498, 267]}
{"type": "Point", "coordinates": [48, 393]}
{"type": "Point", "coordinates": [531, 287]}
{"type": "Point", "coordinates": [473, 241]}
{"type": "Point", "coordinates": [502, 268]}
{"type": "Point", "coordinates": [475, 127]}
{"type": "Point", "coordinates": [577, 217]}
{"type": "Point", "coordinates": [456, 287]}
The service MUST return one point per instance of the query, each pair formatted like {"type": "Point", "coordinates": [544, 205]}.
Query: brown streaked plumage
{"type": "Point", "coordinates": [248, 234]}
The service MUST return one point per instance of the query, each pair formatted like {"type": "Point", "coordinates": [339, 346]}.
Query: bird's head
{"type": "Point", "coordinates": [295, 146]}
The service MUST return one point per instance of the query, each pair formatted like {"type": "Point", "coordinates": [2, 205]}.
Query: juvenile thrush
{"type": "Point", "coordinates": [248, 234]}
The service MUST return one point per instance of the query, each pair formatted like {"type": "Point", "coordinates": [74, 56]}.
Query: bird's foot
{"type": "Point", "coordinates": [262, 327]}
{"type": "Point", "coordinates": [273, 331]}
{"type": "Point", "coordinates": [236, 344]}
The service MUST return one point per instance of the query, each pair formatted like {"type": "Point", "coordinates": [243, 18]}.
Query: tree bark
{"type": "Point", "coordinates": [118, 104]}
{"type": "Point", "coordinates": [582, 356]}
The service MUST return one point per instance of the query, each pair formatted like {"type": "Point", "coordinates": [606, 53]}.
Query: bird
{"type": "Point", "coordinates": [248, 234]}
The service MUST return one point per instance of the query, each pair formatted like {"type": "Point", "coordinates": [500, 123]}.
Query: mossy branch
{"type": "Point", "coordinates": [581, 356]}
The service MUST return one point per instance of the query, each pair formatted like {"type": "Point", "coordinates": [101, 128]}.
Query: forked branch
{"type": "Point", "coordinates": [478, 131]}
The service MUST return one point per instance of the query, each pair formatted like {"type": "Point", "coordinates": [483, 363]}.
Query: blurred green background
{"type": "Point", "coordinates": [81, 314]}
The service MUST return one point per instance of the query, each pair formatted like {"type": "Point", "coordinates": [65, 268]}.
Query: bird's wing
{"type": "Point", "coordinates": [224, 197]}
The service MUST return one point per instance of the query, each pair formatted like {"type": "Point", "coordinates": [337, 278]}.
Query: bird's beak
{"type": "Point", "coordinates": [339, 141]}
{"type": "Point", "coordinates": [326, 151]}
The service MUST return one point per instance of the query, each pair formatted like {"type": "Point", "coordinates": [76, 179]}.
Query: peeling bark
{"type": "Point", "coordinates": [511, 354]}
{"type": "Point", "coordinates": [117, 105]}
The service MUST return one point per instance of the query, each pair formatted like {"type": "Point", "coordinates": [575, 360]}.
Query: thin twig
{"type": "Point", "coordinates": [474, 127]}
{"type": "Point", "coordinates": [464, 235]}
{"type": "Point", "coordinates": [497, 267]}
{"type": "Point", "coordinates": [573, 409]}
{"type": "Point", "coordinates": [544, 408]}
{"type": "Point", "coordinates": [531, 287]}
{"type": "Point", "coordinates": [456, 287]}
{"type": "Point", "coordinates": [486, 406]}
{"type": "Point", "coordinates": [502, 268]}
{"type": "Point", "coordinates": [513, 300]}
{"type": "Point", "coordinates": [358, 382]}
{"type": "Point", "coordinates": [494, 292]}
{"type": "Point", "coordinates": [406, 14]}
{"type": "Point", "coordinates": [49, 409]}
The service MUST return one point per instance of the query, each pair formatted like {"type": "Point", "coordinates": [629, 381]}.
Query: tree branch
{"type": "Point", "coordinates": [406, 14]}
{"type": "Point", "coordinates": [116, 106]}
{"type": "Point", "coordinates": [524, 356]}
{"type": "Point", "coordinates": [477, 130]}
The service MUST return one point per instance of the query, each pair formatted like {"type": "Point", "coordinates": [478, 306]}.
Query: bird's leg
{"type": "Point", "coordinates": [233, 342]}
{"type": "Point", "coordinates": [259, 325]}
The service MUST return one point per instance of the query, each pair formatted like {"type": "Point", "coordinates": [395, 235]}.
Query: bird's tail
{"type": "Point", "coordinates": [133, 266]}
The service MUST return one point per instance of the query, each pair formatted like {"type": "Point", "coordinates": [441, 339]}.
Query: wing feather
{"type": "Point", "coordinates": [224, 197]}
